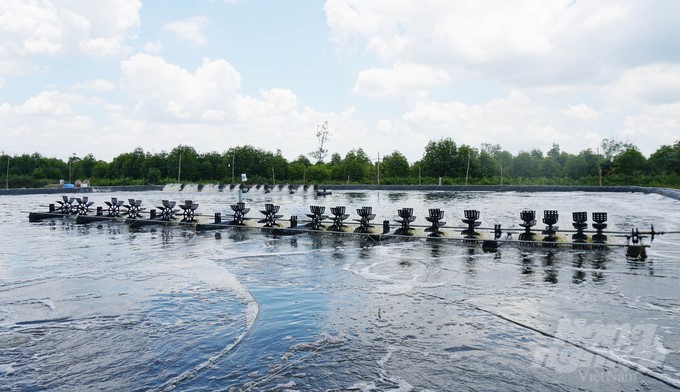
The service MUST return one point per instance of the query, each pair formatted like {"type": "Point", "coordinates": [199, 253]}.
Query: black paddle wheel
{"type": "Point", "coordinates": [134, 208]}
{"type": "Point", "coordinates": [270, 215]}
{"type": "Point", "coordinates": [599, 218]}
{"type": "Point", "coordinates": [406, 215]}
{"type": "Point", "coordinates": [339, 217]}
{"type": "Point", "coordinates": [317, 216]}
{"type": "Point", "coordinates": [83, 206]}
{"type": "Point", "coordinates": [528, 218]}
{"type": "Point", "coordinates": [366, 215]}
{"type": "Point", "coordinates": [435, 216]}
{"type": "Point", "coordinates": [188, 210]}
{"type": "Point", "coordinates": [240, 212]}
{"type": "Point", "coordinates": [166, 211]}
{"type": "Point", "coordinates": [550, 218]}
{"type": "Point", "coordinates": [113, 207]}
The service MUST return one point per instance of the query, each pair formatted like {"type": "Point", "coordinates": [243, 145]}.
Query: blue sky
{"type": "Point", "coordinates": [105, 77]}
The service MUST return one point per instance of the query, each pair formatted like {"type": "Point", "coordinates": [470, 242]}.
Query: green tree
{"type": "Point", "coordinates": [394, 165]}
{"type": "Point", "coordinates": [440, 159]}
{"type": "Point", "coordinates": [584, 164]}
{"type": "Point", "coordinates": [318, 173]}
{"type": "Point", "coordinates": [153, 176]}
{"type": "Point", "coordinates": [128, 165]}
{"type": "Point", "coordinates": [101, 170]}
{"type": "Point", "coordinates": [468, 161]}
{"type": "Point", "coordinates": [182, 162]}
{"type": "Point", "coordinates": [157, 161]}
{"type": "Point", "coordinates": [553, 164]}
{"type": "Point", "coordinates": [279, 166]}
{"type": "Point", "coordinates": [488, 167]}
{"type": "Point", "coordinates": [297, 169]}
{"type": "Point", "coordinates": [85, 167]}
{"type": "Point", "coordinates": [630, 162]}
{"type": "Point", "coordinates": [357, 166]}
{"type": "Point", "coordinates": [666, 159]}
{"type": "Point", "coordinates": [323, 134]}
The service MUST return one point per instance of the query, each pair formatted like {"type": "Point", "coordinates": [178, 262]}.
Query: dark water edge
{"type": "Point", "coordinates": [47, 191]}
{"type": "Point", "coordinates": [667, 192]}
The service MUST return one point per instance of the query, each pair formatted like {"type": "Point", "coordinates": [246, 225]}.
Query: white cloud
{"type": "Point", "coordinates": [525, 43]}
{"type": "Point", "coordinates": [33, 30]}
{"type": "Point", "coordinates": [47, 103]}
{"type": "Point", "coordinates": [516, 123]}
{"type": "Point", "coordinates": [95, 85]}
{"type": "Point", "coordinates": [153, 47]}
{"type": "Point", "coordinates": [190, 30]}
{"type": "Point", "coordinates": [52, 27]}
{"type": "Point", "coordinates": [29, 28]}
{"type": "Point", "coordinates": [580, 111]}
{"type": "Point", "coordinates": [651, 84]}
{"type": "Point", "coordinates": [401, 79]}
{"type": "Point", "coordinates": [606, 15]}
{"type": "Point", "coordinates": [167, 92]}
{"type": "Point", "coordinates": [653, 127]}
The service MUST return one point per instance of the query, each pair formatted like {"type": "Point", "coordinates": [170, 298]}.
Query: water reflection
{"type": "Point", "coordinates": [527, 268]}
{"type": "Point", "coordinates": [637, 264]}
{"type": "Point", "coordinates": [439, 196]}
{"type": "Point", "coordinates": [397, 196]}
{"type": "Point", "coordinates": [599, 264]}
{"type": "Point", "coordinates": [238, 235]}
{"type": "Point", "coordinates": [317, 241]}
{"type": "Point", "coordinates": [471, 264]}
{"type": "Point", "coordinates": [366, 252]}
{"type": "Point", "coordinates": [549, 268]}
{"type": "Point", "coordinates": [435, 248]}
{"type": "Point", "coordinates": [355, 197]}
{"type": "Point", "coordinates": [578, 275]}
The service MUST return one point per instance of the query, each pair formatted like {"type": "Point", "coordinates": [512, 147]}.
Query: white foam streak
{"type": "Point", "coordinates": [221, 279]}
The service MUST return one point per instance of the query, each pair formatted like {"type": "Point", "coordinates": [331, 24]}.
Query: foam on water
{"type": "Point", "coordinates": [190, 188]}
{"type": "Point", "coordinates": [172, 188]}
{"type": "Point", "coordinates": [209, 273]}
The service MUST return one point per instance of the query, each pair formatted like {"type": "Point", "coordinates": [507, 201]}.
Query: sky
{"type": "Point", "coordinates": [107, 76]}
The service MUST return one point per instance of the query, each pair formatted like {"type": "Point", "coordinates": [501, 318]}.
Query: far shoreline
{"type": "Point", "coordinates": [667, 192]}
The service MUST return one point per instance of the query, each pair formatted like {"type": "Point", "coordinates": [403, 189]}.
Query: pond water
{"type": "Point", "coordinates": [104, 307]}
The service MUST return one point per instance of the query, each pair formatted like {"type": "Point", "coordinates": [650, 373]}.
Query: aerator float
{"type": "Point", "coordinates": [317, 221]}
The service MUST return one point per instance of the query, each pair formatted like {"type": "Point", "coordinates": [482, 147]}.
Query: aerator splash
{"type": "Point", "coordinates": [317, 221]}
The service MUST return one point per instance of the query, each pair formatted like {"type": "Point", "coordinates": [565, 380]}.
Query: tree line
{"type": "Point", "coordinates": [443, 161]}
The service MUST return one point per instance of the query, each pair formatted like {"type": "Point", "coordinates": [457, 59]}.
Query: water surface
{"type": "Point", "coordinates": [104, 307]}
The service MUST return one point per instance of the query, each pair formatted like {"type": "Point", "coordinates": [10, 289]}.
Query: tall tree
{"type": "Point", "coordinates": [630, 162]}
{"type": "Point", "coordinates": [323, 134]}
{"type": "Point", "coordinates": [394, 165]}
{"type": "Point", "coordinates": [440, 158]}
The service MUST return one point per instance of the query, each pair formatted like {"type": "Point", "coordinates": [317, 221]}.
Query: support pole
{"type": "Point", "coordinates": [179, 169]}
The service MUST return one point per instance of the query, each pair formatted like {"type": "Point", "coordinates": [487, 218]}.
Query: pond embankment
{"type": "Point", "coordinates": [667, 192]}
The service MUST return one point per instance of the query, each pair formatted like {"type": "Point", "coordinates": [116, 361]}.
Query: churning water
{"type": "Point", "coordinates": [103, 307]}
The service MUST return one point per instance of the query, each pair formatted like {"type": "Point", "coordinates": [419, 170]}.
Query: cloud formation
{"type": "Point", "coordinates": [190, 30]}
{"type": "Point", "coordinates": [385, 75]}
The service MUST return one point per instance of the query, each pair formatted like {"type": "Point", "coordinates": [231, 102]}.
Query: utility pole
{"type": "Point", "coordinates": [599, 166]}
{"type": "Point", "coordinates": [7, 175]}
{"type": "Point", "coordinates": [233, 161]}
{"type": "Point", "coordinates": [378, 168]}
{"type": "Point", "coordinates": [179, 169]}
{"type": "Point", "coordinates": [70, 167]}
{"type": "Point", "coordinates": [467, 172]}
